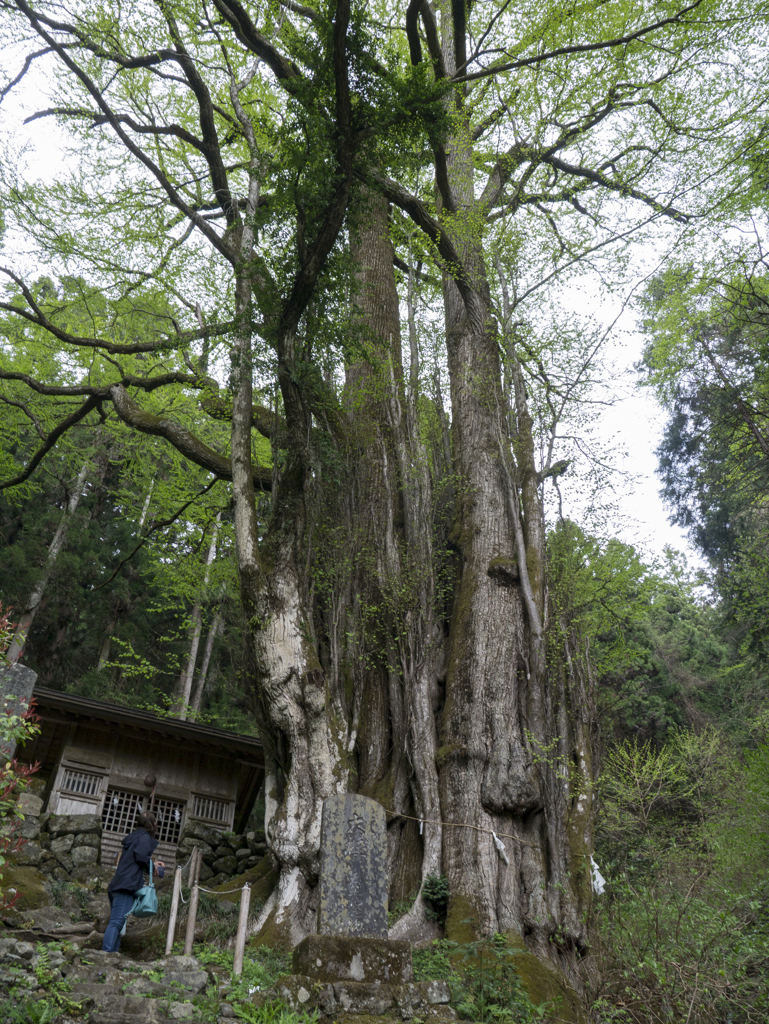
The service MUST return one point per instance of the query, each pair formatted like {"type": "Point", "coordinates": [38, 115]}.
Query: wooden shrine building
{"type": "Point", "coordinates": [102, 758]}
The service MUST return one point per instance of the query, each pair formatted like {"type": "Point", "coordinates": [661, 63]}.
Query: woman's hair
{"type": "Point", "coordinates": [148, 821]}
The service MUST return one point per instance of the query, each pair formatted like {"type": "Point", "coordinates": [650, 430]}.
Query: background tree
{"type": "Point", "coordinates": [706, 360]}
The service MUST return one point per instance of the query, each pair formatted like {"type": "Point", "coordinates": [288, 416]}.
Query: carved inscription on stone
{"type": "Point", "coordinates": [353, 868]}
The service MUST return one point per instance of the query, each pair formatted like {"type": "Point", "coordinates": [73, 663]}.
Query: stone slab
{"type": "Point", "coordinates": [340, 958]}
{"type": "Point", "coordinates": [84, 855]}
{"type": "Point", "coordinates": [16, 684]}
{"type": "Point", "coordinates": [353, 868]}
{"type": "Point", "coordinates": [427, 999]}
{"type": "Point", "coordinates": [30, 804]}
{"type": "Point", "coordinates": [30, 854]}
{"type": "Point", "coordinates": [74, 824]}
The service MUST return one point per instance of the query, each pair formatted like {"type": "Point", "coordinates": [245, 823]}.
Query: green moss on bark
{"type": "Point", "coordinates": [273, 934]}
{"type": "Point", "coordinates": [461, 920]}
{"type": "Point", "coordinates": [545, 984]}
{"type": "Point", "coordinates": [262, 877]}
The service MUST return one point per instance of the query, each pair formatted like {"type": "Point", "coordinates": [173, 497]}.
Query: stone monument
{"type": "Point", "coordinates": [350, 966]}
{"type": "Point", "coordinates": [353, 868]}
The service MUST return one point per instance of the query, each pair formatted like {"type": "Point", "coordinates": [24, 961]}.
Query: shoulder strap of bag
{"type": "Point", "coordinates": [150, 870]}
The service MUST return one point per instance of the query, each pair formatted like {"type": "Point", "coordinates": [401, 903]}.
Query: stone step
{"type": "Point", "coordinates": [424, 999]}
{"type": "Point", "coordinates": [110, 1017]}
{"type": "Point", "coordinates": [110, 1000]}
{"type": "Point", "coordinates": [143, 1011]}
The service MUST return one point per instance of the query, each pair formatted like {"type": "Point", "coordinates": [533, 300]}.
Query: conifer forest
{"type": "Point", "coordinates": [308, 336]}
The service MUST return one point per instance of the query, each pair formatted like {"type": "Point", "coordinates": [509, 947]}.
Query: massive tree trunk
{"type": "Point", "coordinates": [508, 745]}
{"type": "Point", "coordinates": [470, 723]}
{"type": "Point", "coordinates": [397, 738]}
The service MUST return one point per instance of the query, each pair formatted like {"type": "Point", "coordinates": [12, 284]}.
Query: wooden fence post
{"type": "Point", "coordinates": [194, 857]}
{"type": "Point", "coordinates": [174, 909]}
{"type": "Point", "coordinates": [240, 940]}
{"type": "Point", "coordinates": [191, 919]}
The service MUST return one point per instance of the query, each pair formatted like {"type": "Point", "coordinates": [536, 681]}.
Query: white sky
{"type": "Point", "coordinates": [636, 422]}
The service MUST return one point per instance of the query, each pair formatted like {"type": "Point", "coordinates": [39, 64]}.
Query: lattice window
{"type": "Point", "coordinates": [121, 809]}
{"type": "Point", "coordinates": [82, 783]}
{"type": "Point", "coordinates": [211, 809]}
{"type": "Point", "coordinates": [169, 814]}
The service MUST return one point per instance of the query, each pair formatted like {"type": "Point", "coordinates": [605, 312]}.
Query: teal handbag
{"type": "Point", "coordinates": [146, 901]}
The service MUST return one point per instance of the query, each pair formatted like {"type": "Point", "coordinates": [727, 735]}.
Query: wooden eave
{"type": "Point", "coordinates": [73, 708]}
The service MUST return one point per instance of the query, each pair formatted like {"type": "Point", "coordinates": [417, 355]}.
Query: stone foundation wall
{"type": "Point", "coordinates": [223, 854]}
{"type": "Point", "coordinates": [67, 847]}
{"type": "Point", "coordinates": [63, 846]}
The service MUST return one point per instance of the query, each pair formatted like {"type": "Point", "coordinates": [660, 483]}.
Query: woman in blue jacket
{"type": "Point", "coordinates": [138, 847]}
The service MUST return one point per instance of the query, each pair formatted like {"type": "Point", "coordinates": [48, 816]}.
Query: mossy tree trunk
{"type": "Point", "coordinates": [393, 517]}
{"type": "Point", "coordinates": [515, 774]}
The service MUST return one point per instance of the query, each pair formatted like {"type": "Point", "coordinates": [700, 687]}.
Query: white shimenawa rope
{"type": "Point", "coordinates": [227, 892]}
{"type": "Point", "coordinates": [500, 848]}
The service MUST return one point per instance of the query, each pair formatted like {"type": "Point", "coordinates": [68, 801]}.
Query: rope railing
{"type": "Point", "coordinates": [195, 889]}
{"type": "Point", "coordinates": [496, 836]}
{"type": "Point", "coordinates": [193, 864]}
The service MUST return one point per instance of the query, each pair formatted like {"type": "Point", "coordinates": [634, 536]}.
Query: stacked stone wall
{"type": "Point", "coordinates": [65, 847]}
{"type": "Point", "coordinates": [224, 855]}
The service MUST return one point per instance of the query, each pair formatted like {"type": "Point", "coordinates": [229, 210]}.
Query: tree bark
{"type": "Point", "coordinates": [506, 740]}
{"type": "Point", "coordinates": [184, 689]}
{"type": "Point", "coordinates": [26, 619]}
{"type": "Point", "coordinates": [395, 496]}
{"type": "Point", "coordinates": [200, 683]}
{"type": "Point", "coordinates": [303, 729]}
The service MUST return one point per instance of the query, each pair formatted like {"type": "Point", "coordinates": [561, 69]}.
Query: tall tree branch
{"type": "Point", "coordinates": [58, 431]}
{"type": "Point", "coordinates": [318, 251]}
{"type": "Point", "coordinates": [617, 186]}
{"type": "Point", "coordinates": [40, 319]}
{"type": "Point", "coordinates": [210, 144]}
{"type": "Point", "coordinates": [183, 440]}
{"type": "Point", "coordinates": [565, 51]}
{"type": "Point", "coordinates": [239, 21]}
{"type": "Point", "coordinates": [220, 244]}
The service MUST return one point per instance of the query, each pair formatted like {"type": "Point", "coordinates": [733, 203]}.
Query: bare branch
{"type": "Point", "coordinates": [617, 186]}
{"type": "Point", "coordinates": [25, 68]}
{"type": "Point", "coordinates": [27, 412]}
{"type": "Point", "coordinates": [306, 12]}
{"type": "Point", "coordinates": [160, 524]}
{"type": "Point", "coordinates": [239, 21]}
{"type": "Point", "coordinates": [564, 51]}
{"type": "Point", "coordinates": [146, 384]}
{"type": "Point", "coordinates": [58, 431]}
{"type": "Point", "coordinates": [97, 120]}
{"type": "Point", "coordinates": [39, 318]}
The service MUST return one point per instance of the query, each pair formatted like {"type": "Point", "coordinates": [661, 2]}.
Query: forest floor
{"type": "Point", "coordinates": [53, 971]}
